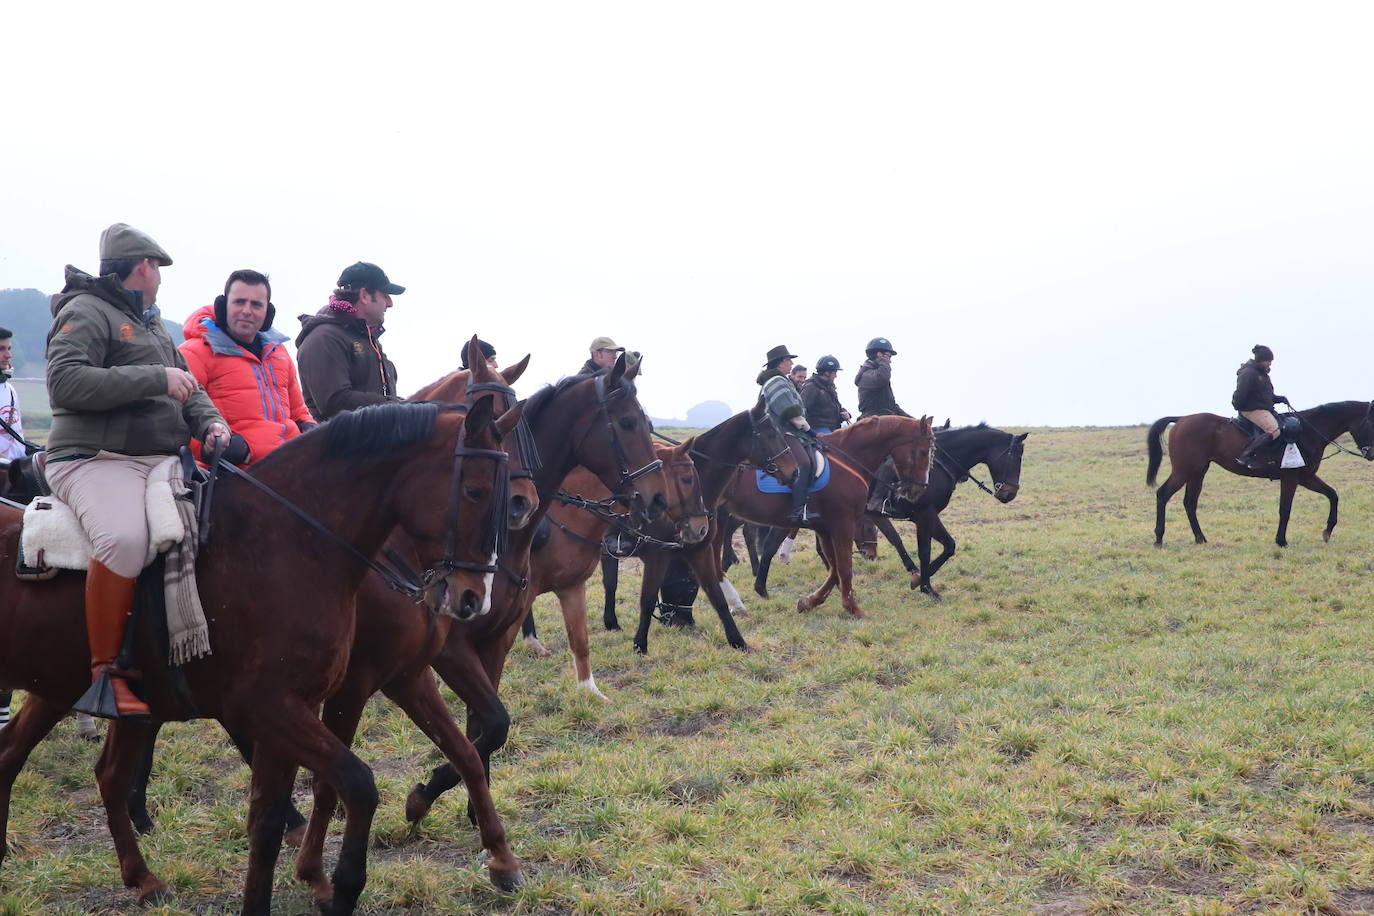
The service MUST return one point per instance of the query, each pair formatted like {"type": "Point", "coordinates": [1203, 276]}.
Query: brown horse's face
{"type": "Point", "coordinates": [469, 485]}
{"type": "Point", "coordinates": [912, 460]}
{"type": "Point", "coordinates": [686, 505]}
{"type": "Point", "coordinates": [613, 442]}
{"type": "Point", "coordinates": [769, 451]}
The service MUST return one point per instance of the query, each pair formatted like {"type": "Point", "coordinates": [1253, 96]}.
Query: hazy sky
{"type": "Point", "coordinates": [1060, 213]}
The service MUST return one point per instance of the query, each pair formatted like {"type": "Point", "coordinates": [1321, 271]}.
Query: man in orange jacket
{"type": "Point", "coordinates": [234, 352]}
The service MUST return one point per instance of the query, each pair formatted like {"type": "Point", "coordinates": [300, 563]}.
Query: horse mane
{"type": "Point", "coordinates": [380, 429]}
{"type": "Point", "coordinates": [1334, 407]}
{"type": "Point", "coordinates": [536, 403]}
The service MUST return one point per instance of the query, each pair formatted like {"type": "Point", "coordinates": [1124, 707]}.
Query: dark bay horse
{"type": "Point", "coordinates": [279, 598]}
{"type": "Point", "coordinates": [594, 421]}
{"type": "Point", "coordinates": [1200, 439]}
{"type": "Point", "coordinates": [958, 452]}
{"type": "Point", "coordinates": [565, 562]}
{"type": "Point", "coordinates": [740, 445]}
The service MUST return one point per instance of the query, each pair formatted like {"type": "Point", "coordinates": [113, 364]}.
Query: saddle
{"type": "Point", "coordinates": [52, 538]}
{"type": "Point", "coordinates": [766, 484]}
{"type": "Point", "coordinates": [1284, 449]}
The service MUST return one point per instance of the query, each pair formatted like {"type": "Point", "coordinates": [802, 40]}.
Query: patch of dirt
{"type": "Point", "coordinates": [1353, 900]}
{"type": "Point", "coordinates": [1067, 904]}
{"type": "Point", "coordinates": [694, 724]}
{"type": "Point", "coordinates": [850, 877]}
{"type": "Point", "coordinates": [1344, 823]}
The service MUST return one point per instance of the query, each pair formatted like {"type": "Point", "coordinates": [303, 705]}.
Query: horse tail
{"type": "Point", "coordinates": [1155, 447]}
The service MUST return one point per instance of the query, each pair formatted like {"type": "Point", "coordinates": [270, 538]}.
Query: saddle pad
{"type": "Point", "coordinates": [53, 537]}
{"type": "Point", "coordinates": [768, 484]}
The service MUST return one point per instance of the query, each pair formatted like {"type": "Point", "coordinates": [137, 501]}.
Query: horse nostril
{"type": "Point", "coordinates": [519, 505]}
{"type": "Point", "coordinates": [469, 605]}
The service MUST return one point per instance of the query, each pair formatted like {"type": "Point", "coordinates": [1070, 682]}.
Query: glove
{"type": "Point", "coordinates": [237, 452]}
{"type": "Point", "coordinates": [844, 415]}
{"type": "Point", "coordinates": [305, 426]}
{"type": "Point", "coordinates": [800, 423]}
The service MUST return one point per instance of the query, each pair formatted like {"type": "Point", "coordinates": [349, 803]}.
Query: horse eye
{"type": "Point", "coordinates": [627, 423]}
{"type": "Point", "coordinates": [474, 493]}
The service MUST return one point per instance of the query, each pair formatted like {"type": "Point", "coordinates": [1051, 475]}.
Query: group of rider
{"type": "Point", "coordinates": [124, 397]}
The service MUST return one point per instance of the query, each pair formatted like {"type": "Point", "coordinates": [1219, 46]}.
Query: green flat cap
{"type": "Point", "coordinates": [124, 241]}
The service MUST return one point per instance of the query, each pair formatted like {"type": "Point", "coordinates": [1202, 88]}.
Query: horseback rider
{"type": "Point", "coordinates": [12, 445]}
{"type": "Point", "coordinates": [1255, 399]}
{"type": "Point", "coordinates": [820, 400]}
{"type": "Point", "coordinates": [785, 408]}
{"type": "Point", "coordinates": [798, 376]}
{"type": "Point", "coordinates": [122, 401]}
{"type": "Point", "coordinates": [874, 379]}
{"type": "Point", "coordinates": [341, 359]}
{"type": "Point", "coordinates": [604, 354]}
{"type": "Point", "coordinates": [235, 353]}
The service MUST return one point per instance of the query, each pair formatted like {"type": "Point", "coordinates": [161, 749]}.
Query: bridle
{"type": "Point", "coordinates": [959, 472]}
{"type": "Point", "coordinates": [758, 459]}
{"type": "Point", "coordinates": [398, 576]}
{"type": "Point", "coordinates": [627, 476]}
{"type": "Point", "coordinates": [1368, 412]}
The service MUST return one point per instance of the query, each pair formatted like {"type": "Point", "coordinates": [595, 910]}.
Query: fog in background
{"type": "Point", "coordinates": [1060, 213]}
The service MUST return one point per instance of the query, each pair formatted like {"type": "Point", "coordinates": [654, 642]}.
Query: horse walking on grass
{"type": "Point", "coordinates": [1198, 440]}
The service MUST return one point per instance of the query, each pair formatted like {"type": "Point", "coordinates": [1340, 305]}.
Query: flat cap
{"type": "Point", "coordinates": [124, 241]}
{"type": "Point", "coordinates": [604, 343]}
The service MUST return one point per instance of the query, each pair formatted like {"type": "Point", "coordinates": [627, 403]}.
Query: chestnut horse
{"type": "Point", "coordinates": [279, 596]}
{"type": "Point", "coordinates": [1202, 438]}
{"type": "Point", "coordinates": [595, 421]}
{"type": "Point", "coordinates": [573, 551]}
{"type": "Point", "coordinates": [855, 453]}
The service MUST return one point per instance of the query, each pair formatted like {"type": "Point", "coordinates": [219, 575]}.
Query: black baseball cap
{"type": "Point", "coordinates": [368, 276]}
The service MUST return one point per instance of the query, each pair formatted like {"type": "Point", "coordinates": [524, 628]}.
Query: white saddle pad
{"type": "Point", "coordinates": [53, 536]}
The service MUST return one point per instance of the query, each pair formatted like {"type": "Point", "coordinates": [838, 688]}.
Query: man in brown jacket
{"type": "Point", "coordinates": [338, 350]}
{"type": "Point", "coordinates": [122, 401]}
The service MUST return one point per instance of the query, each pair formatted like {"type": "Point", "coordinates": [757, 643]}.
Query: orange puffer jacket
{"type": "Point", "coordinates": [260, 398]}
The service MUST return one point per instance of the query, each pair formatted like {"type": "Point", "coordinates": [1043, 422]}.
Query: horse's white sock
{"type": "Point", "coordinates": [785, 551]}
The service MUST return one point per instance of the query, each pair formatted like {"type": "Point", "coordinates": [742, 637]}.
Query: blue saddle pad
{"type": "Point", "coordinates": [767, 484]}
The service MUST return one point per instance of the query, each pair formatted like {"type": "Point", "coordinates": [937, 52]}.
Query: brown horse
{"type": "Point", "coordinates": [1202, 438]}
{"type": "Point", "coordinates": [855, 453]}
{"type": "Point", "coordinates": [279, 598]}
{"type": "Point", "coordinates": [595, 421]}
{"type": "Point", "coordinates": [573, 551]}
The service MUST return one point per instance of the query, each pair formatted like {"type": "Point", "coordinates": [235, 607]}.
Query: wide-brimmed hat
{"type": "Point", "coordinates": [122, 241]}
{"type": "Point", "coordinates": [363, 275]}
{"type": "Point", "coordinates": [778, 354]}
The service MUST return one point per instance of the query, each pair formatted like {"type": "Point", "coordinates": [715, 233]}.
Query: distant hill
{"type": "Point", "coordinates": [702, 416]}
{"type": "Point", "coordinates": [28, 313]}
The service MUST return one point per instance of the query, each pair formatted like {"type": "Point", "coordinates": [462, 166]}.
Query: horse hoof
{"type": "Point", "coordinates": [143, 824]}
{"type": "Point", "coordinates": [417, 804]}
{"type": "Point", "coordinates": [856, 612]}
{"type": "Point", "coordinates": [155, 894]}
{"type": "Point", "coordinates": [915, 581]}
{"type": "Point", "coordinates": [641, 649]}
{"type": "Point", "coordinates": [741, 645]}
{"type": "Point", "coordinates": [537, 647]}
{"type": "Point", "coordinates": [505, 881]}
{"type": "Point", "coordinates": [802, 606]}
{"type": "Point", "coordinates": [611, 623]}
{"type": "Point", "coordinates": [294, 837]}
{"type": "Point", "coordinates": [1326, 536]}
{"type": "Point", "coordinates": [761, 590]}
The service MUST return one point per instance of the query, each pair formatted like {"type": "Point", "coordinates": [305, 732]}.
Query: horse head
{"type": "Point", "coordinates": [911, 455]}
{"type": "Point", "coordinates": [522, 497]}
{"type": "Point", "coordinates": [1363, 433]}
{"type": "Point", "coordinates": [768, 450]}
{"type": "Point", "coordinates": [686, 503]}
{"type": "Point", "coordinates": [1005, 467]}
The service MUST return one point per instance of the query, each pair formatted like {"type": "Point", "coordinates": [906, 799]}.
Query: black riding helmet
{"type": "Point", "coordinates": [879, 343]}
{"type": "Point", "coordinates": [827, 363]}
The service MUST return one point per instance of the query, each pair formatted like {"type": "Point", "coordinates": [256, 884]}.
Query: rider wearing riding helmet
{"type": "Point", "coordinates": [820, 400]}
{"type": "Point", "coordinates": [1255, 399]}
{"type": "Point", "coordinates": [122, 402]}
{"type": "Point", "coordinates": [874, 379]}
{"type": "Point", "coordinates": [785, 408]}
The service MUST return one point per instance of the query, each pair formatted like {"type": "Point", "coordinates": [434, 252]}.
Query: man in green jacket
{"type": "Point", "coordinates": [122, 401]}
{"type": "Point", "coordinates": [785, 408]}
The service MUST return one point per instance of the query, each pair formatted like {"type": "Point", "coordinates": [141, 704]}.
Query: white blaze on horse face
{"type": "Point", "coordinates": [487, 579]}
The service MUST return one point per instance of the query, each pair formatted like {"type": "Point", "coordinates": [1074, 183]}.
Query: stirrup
{"type": "Point", "coordinates": [99, 700]}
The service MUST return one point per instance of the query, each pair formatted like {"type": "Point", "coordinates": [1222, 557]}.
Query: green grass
{"type": "Point", "coordinates": [1084, 725]}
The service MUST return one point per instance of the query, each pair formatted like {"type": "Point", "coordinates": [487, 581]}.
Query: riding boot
{"type": "Point", "coordinates": [801, 488]}
{"type": "Point", "coordinates": [109, 598]}
{"type": "Point", "coordinates": [1257, 441]}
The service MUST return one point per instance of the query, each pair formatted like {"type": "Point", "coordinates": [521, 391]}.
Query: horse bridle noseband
{"type": "Point", "coordinates": [627, 476]}
{"type": "Point", "coordinates": [769, 464]}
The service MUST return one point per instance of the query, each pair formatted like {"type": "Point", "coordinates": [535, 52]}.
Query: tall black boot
{"type": "Point", "coordinates": [800, 491]}
{"type": "Point", "coordinates": [1257, 441]}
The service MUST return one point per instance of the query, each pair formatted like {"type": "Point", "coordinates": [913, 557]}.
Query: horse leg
{"type": "Point", "coordinates": [1165, 493]}
{"type": "Point", "coordinates": [884, 524]}
{"type": "Point", "coordinates": [655, 567]}
{"type": "Point", "coordinates": [771, 539]}
{"type": "Point", "coordinates": [1317, 485]}
{"type": "Point", "coordinates": [342, 713]}
{"type": "Point", "coordinates": [842, 546]}
{"type": "Point", "coordinates": [610, 581]}
{"type": "Point", "coordinates": [1288, 485]}
{"type": "Point", "coordinates": [532, 636]}
{"type": "Point", "coordinates": [137, 801]}
{"type": "Point", "coordinates": [418, 696]}
{"type": "Point", "coordinates": [17, 740]}
{"type": "Point", "coordinates": [573, 602]}
{"type": "Point", "coordinates": [826, 547]}
{"type": "Point", "coordinates": [947, 547]}
{"type": "Point", "coordinates": [124, 749]}
{"type": "Point", "coordinates": [1190, 495]}
{"type": "Point", "coordinates": [925, 528]}
{"type": "Point", "coordinates": [295, 821]}
{"type": "Point", "coordinates": [286, 737]}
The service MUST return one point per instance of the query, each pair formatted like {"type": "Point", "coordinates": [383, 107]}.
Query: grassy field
{"type": "Point", "coordinates": [1084, 725]}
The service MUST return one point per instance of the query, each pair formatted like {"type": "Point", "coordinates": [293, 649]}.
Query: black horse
{"type": "Point", "coordinates": [957, 453]}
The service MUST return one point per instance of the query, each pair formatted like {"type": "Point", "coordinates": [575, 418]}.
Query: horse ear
{"type": "Point", "coordinates": [506, 422]}
{"type": "Point", "coordinates": [946, 426]}
{"type": "Point", "coordinates": [1022, 437]}
{"type": "Point", "coordinates": [479, 417]}
{"type": "Point", "coordinates": [474, 355]}
{"type": "Point", "coordinates": [616, 374]}
{"type": "Point", "coordinates": [511, 373]}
